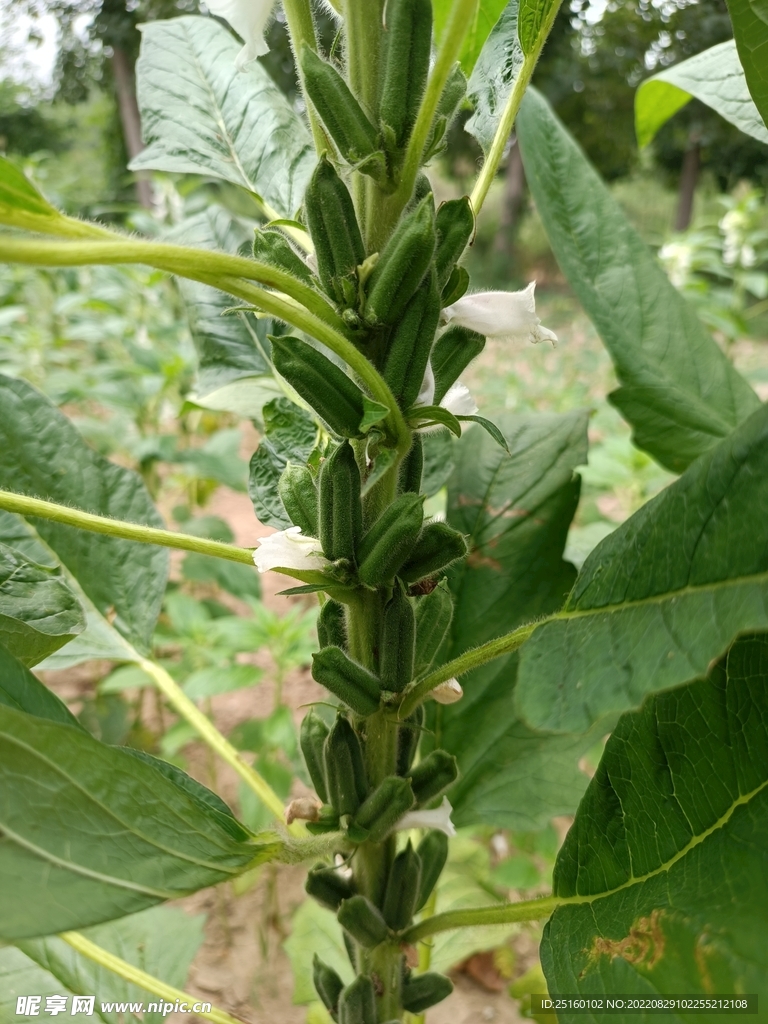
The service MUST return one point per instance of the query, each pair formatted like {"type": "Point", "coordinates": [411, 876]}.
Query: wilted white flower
{"type": "Point", "coordinates": [287, 549]}
{"type": "Point", "coordinates": [503, 315]}
{"type": "Point", "coordinates": [459, 401]}
{"type": "Point", "coordinates": [249, 19]}
{"type": "Point", "coordinates": [439, 818]}
{"type": "Point", "coordinates": [448, 692]}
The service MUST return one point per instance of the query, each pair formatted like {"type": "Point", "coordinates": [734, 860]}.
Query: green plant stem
{"type": "Point", "coordinates": [301, 29]}
{"type": "Point", "coordinates": [205, 727]}
{"type": "Point", "coordinates": [177, 259]}
{"type": "Point", "coordinates": [511, 107]}
{"type": "Point", "coordinates": [26, 506]}
{"type": "Point", "coordinates": [136, 976]}
{"type": "Point", "coordinates": [510, 913]}
{"type": "Point", "coordinates": [420, 690]}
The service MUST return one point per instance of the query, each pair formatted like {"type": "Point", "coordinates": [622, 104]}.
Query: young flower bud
{"type": "Point", "coordinates": [402, 889]}
{"type": "Point", "coordinates": [340, 510]}
{"type": "Point", "coordinates": [298, 494]}
{"type": "Point", "coordinates": [328, 985]}
{"type": "Point", "coordinates": [402, 265]}
{"type": "Point", "coordinates": [433, 775]}
{"type": "Point", "coordinates": [448, 692]}
{"type": "Point", "coordinates": [433, 850]}
{"type": "Point", "coordinates": [357, 1003]}
{"type": "Point", "coordinates": [312, 736]}
{"type": "Point", "coordinates": [382, 810]}
{"type": "Point", "coordinates": [438, 546]}
{"type": "Point", "coordinates": [334, 396]}
{"type": "Point", "coordinates": [344, 768]}
{"type": "Point", "coordinates": [453, 351]}
{"type": "Point", "coordinates": [331, 627]}
{"type": "Point", "coordinates": [509, 316]}
{"type": "Point", "coordinates": [425, 990]}
{"type": "Point", "coordinates": [433, 620]}
{"type": "Point", "coordinates": [398, 635]}
{"type": "Point", "coordinates": [386, 546]}
{"type": "Point", "coordinates": [328, 886]}
{"type": "Point", "coordinates": [363, 921]}
{"type": "Point", "coordinates": [358, 688]}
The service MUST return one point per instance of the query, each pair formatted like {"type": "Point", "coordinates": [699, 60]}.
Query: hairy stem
{"type": "Point", "coordinates": [510, 913]}
{"type": "Point", "coordinates": [478, 656]}
{"type": "Point", "coordinates": [25, 506]}
{"type": "Point", "coordinates": [138, 977]}
{"type": "Point", "coordinates": [511, 107]}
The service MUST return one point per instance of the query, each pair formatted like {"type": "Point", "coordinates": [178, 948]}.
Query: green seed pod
{"type": "Point", "coordinates": [345, 768]}
{"type": "Point", "coordinates": [398, 634]}
{"type": "Point", "coordinates": [340, 112]}
{"type": "Point", "coordinates": [328, 985]}
{"type": "Point", "coordinates": [402, 265]}
{"type": "Point", "coordinates": [334, 229]}
{"type": "Point", "coordinates": [451, 355]}
{"type": "Point", "coordinates": [328, 887]}
{"type": "Point", "coordinates": [433, 619]}
{"type": "Point", "coordinates": [425, 990]}
{"type": "Point", "coordinates": [312, 736]}
{"type": "Point", "coordinates": [411, 343]}
{"type": "Point", "coordinates": [350, 682]}
{"type": "Point", "coordinates": [433, 775]}
{"type": "Point", "coordinates": [412, 467]}
{"type": "Point", "coordinates": [363, 921]}
{"type": "Point", "coordinates": [454, 226]}
{"type": "Point", "coordinates": [331, 627]}
{"type": "Point", "coordinates": [408, 737]}
{"type": "Point", "coordinates": [402, 889]}
{"type": "Point", "coordinates": [298, 494]}
{"type": "Point", "coordinates": [332, 394]}
{"type": "Point", "coordinates": [433, 850]}
{"type": "Point", "coordinates": [387, 544]}
{"type": "Point", "coordinates": [408, 41]}
{"type": "Point", "coordinates": [357, 1003]}
{"type": "Point", "coordinates": [438, 546]}
{"type": "Point", "coordinates": [421, 189]}
{"type": "Point", "coordinates": [386, 805]}
{"type": "Point", "coordinates": [341, 515]}
{"type": "Point", "coordinates": [270, 246]}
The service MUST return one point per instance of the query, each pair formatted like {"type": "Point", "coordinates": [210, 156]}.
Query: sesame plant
{"type": "Point", "coordinates": [466, 665]}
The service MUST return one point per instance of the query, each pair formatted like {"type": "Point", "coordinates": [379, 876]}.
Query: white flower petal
{"type": "Point", "coordinates": [287, 549]}
{"type": "Point", "coordinates": [439, 818]}
{"type": "Point", "coordinates": [459, 401]}
{"type": "Point", "coordinates": [249, 19]}
{"type": "Point", "coordinates": [448, 692]}
{"type": "Point", "coordinates": [504, 315]}
{"type": "Point", "coordinates": [426, 395]}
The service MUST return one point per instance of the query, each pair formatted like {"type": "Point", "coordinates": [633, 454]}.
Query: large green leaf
{"type": "Point", "coordinates": [89, 833]}
{"type": "Point", "coordinates": [160, 941]}
{"type": "Point", "coordinates": [21, 690]}
{"type": "Point", "coordinates": [680, 394]}
{"type": "Point", "coordinates": [660, 598]}
{"type": "Point", "coordinates": [199, 115]}
{"type": "Point", "coordinates": [666, 860]}
{"type": "Point", "coordinates": [230, 347]}
{"type": "Point", "coordinates": [290, 434]}
{"type": "Point", "coordinates": [516, 511]}
{"type": "Point", "coordinates": [487, 13]}
{"type": "Point", "coordinates": [533, 14]}
{"type": "Point", "coordinates": [491, 81]}
{"type": "Point", "coordinates": [750, 27]}
{"type": "Point", "coordinates": [715, 77]}
{"type": "Point", "coordinates": [42, 454]}
{"type": "Point", "coordinates": [18, 194]}
{"type": "Point", "coordinates": [38, 611]}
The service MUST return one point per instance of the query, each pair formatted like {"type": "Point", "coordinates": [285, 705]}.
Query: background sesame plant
{"type": "Point", "coordinates": [468, 665]}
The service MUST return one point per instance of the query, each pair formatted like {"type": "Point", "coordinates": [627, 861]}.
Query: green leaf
{"type": "Point", "coordinates": [38, 611]}
{"type": "Point", "coordinates": [374, 412]}
{"type": "Point", "coordinates": [490, 428]}
{"type": "Point", "coordinates": [531, 18]}
{"type": "Point", "coordinates": [21, 205]}
{"type": "Point", "coordinates": [515, 511]}
{"type": "Point", "coordinates": [487, 13]}
{"type": "Point", "coordinates": [42, 454]}
{"type": "Point", "coordinates": [680, 394]}
{"type": "Point", "coordinates": [231, 347]}
{"type": "Point", "coordinates": [160, 941]}
{"type": "Point", "coordinates": [200, 115]}
{"type": "Point", "coordinates": [208, 682]}
{"type": "Point", "coordinates": [290, 435]}
{"type": "Point", "coordinates": [660, 598]}
{"type": "Point", "coordinates": [750, 28]}
{"type": "Point", "coordinates": [715, 77]}
{"type": "Point", "coordinates": [89, 833]}
{"type": "Point", "coordinates": [439, 459]}
{"type": "Point", "coordinates": [21, 690]}
{"type": "Point", "coordinates": [315, 930]}
{"type": "Point", "coordinates": [491, 81]}
{"type": "Point", "coordinates": [434, 415]}
{"type": "Point", "coordinates": [238, 580]}
{"type": "Point", "coordinates": [665, 862]}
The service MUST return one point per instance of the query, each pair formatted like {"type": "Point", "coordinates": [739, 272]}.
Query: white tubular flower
{"type": "Point", "coordinates": [459, 401]}
{"type": "Point", "coordinates": [289, 550]}
{"type": "Point", "coordinates": [426, 394]}
{"type": "Point", "coordinates": [249, 19]}
{"type": "Point", "coordinates": [448, 692]}
{"type": "Point", "coordinates": [440, 819]}
{"type": "Point", "coordinates": [505, 315]}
